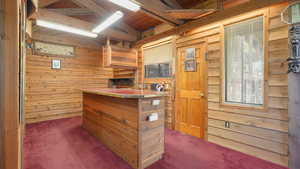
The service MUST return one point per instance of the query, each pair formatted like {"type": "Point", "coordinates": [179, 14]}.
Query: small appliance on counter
{"type": "Point", "coordinates": [158, 87]}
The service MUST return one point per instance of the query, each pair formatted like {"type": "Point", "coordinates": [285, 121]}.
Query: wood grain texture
{"type": "Point", "coordinates": [262, 133]}
{"type": "Point", "coordinates": [259, 132]}
{"type": "Point", "coordinates": [145, 83]}
{"type": "Point", "coordinates": [10, 127]}
{"type": "Point", "coordinates": [215, 17]}
{"type": "Point", "coordinates": [45, 14]}
{"type": "Point", "coordinates": [124, 73]}
{"type": "Point", "coordinates": [119, 57]}
{"type": "Point", "coordinates": [191, 95]}
{"type": "Point", "coordinates": [52, 94]}
{"type": "Point", "coordinates": [121, 124]}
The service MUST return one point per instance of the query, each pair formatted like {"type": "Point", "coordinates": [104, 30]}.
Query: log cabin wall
{"type": "Point", "coordinates": [53, 94]}
{"type": "Point", "coordinates": [261, 133]}
{"type": "Point", "coordinates": [144, 83]}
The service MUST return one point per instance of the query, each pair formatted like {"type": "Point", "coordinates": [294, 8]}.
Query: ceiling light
{"type": "Point", "coordinates": [65, 28]}
{"type": "Point", "coordinates": [128, 4]}
{"type": "Point", "coordinates": [109, 21]}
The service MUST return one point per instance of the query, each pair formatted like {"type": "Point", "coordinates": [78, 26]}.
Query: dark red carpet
{"type": "Point", "coordinates": [63, 144]}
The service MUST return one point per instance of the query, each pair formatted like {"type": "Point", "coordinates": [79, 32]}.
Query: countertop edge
{"type": "Point", "coordinates": [125, 96]}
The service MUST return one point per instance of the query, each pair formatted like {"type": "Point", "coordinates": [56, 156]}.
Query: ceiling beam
{"type": "Point", "coordinates": [43, 34]}
{"type": "Point", "coordinates": [44, 3]}
{"type": "Point", "coordinates": [173, 4]}
{"type": "Point", "coordinates": [71, 11]}
{"type": "Point", "coordinates": [189, 13]}
{"type": "Point", "coordinates": [100, 11]}
{"type": "Point", "coordinates": [77, 23]}
{"type": "Point", "coordinates": [156, 9]}
{"type": "Point", "coordinates": [215, 17]}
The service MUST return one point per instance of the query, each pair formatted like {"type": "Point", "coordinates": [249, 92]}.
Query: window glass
{"type": "Point", "coordinates": [244, 59]}
{"type": "Point", "coordinates": [160, 70]}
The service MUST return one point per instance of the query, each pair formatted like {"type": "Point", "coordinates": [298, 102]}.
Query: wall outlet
{"type": "Point", "coordinates": [227, 124]}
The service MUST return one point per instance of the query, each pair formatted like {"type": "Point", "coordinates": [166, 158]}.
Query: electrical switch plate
{"type": "Point", "coordinates": [155, 102]}
{"type": "Point", "coordinates": [153, 117]}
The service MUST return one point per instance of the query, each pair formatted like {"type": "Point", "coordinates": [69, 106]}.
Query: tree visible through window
{"type": "Point", "coordinates": [244, 60]}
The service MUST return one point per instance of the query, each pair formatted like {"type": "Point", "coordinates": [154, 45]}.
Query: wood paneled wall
{"type": "Point", "coordinates": [124, 73]}
{"type": "Point", "coordinates": [145, 83]}
{"type": "Point", "coordinates": [261, 133]}
{"type": "Point", "coordinates": [52, 94]}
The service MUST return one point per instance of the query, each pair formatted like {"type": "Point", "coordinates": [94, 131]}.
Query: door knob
{"type": "Point", "coordinates": [201, 94]}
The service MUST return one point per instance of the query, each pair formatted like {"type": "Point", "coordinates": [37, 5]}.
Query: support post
{"type": "Point", "coordinates": [294, 97]}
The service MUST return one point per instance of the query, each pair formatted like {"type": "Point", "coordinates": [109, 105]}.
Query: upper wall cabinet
{"type": "Point", "coordinates": [117, 57]}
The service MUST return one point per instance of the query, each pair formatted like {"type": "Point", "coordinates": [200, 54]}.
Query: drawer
{"type": "Point", "coordinates": [92, 127]}
{"type": "Point", "coordinates": [91, 114]}
{"type": "Point", "coordinates": [152, 144]}
{"type": "Point", "coordinates": [152, 104]}
{"type": "Point", "coordinates": [146, 124]}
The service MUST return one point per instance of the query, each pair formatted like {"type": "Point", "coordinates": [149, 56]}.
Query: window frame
{"type": "Point", "coordinates": [159, 68]}
{"type": "Point", "coordinates": [253, 15]}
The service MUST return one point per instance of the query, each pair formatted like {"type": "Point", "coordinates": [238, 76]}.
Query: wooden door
{"type": "Point", "coordinates": [191, 87]}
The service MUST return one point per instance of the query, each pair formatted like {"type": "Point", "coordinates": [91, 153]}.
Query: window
{"type": "Point", "coordinates": [157, 61]}
{"type": "Point", "coordinates": [244, 62]}
{"type": "Point", "coordinates": [157, 70]}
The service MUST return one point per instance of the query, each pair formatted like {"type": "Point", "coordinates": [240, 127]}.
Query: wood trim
{"type": "Point", "coordinates": [100, 11]}
{"type": "Point", "coordinates": [157, 80]}
{"type": "Point", "coordinates": [47, 118]}
{"type": "Point", "coordinates": [47, 15]}
{"type": "Point", "coordinates": [223, 103]}
{"type": "Point", "coordinates": [206, 96]}
{"type": "Point", "coordinates": [44, 3]}
{"type": "Point", "coordinates": [156, 9]}
{"type": "Point", "coordinates": [10, 130]}
{"type": "Point", "coordinates": [72, 11]}
{"type": "Point", "coordinates": [217, 16]}
{"type": "Point", "coordinates": [66, 39]}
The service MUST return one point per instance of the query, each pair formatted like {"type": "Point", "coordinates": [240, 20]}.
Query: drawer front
{"type": "Point", "coordinates": [91, 114]}
{"type": "Point", "coordinates": [145, 122]}
{"type": "Point", "coordinates": [121, 139]}
{"type": "Point", "coordinates": [152, 146]}
{"type": "Point", "coordinates": [152, 104]}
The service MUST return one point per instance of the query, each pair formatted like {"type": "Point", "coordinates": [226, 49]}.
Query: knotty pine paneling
{"type": "Point", "coordinates": [146, 83]}
{"type": "Point", "coordinates": [53, 94]}
{"type": "Point", "coordinates": [261, 133]}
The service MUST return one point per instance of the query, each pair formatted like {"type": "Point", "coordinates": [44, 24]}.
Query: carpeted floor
{"type": "Point", "coordinates": [63, 144]}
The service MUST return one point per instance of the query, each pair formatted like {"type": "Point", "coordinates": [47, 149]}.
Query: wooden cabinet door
{"type": "Point", "coordinates": [191, 87]}
{"type": "Point", "coordinates": [117, 57]}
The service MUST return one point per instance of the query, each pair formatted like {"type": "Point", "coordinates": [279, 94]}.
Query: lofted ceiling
{"type": "Point", "coordinates": [189, 3]}
{"type": "Point", "coordinates": [138, 20]}
{"type": "Point", "coordinates": [152, 13]}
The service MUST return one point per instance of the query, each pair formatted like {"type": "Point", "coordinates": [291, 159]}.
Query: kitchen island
{"type": "Point", "coordinates": [129, 122]}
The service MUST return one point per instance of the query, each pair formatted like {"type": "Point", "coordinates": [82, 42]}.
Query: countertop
{"type": "Point", "coordinates": [125, 93]}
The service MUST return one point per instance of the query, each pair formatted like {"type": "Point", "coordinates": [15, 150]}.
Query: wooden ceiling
{"type": "Point", "coordinates": [189, 3]}
{"type": "Point", "coordinates": [152, 13]}
{"type": "Point", "coordinates": [138, 20]}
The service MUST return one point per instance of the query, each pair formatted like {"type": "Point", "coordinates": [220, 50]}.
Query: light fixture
{"type": "Point", "coordinates": [128, 4]}
{"type": "Point", "coordinates": [109, 21]}
{"type": "Point", "coordinates": [65, 28]}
